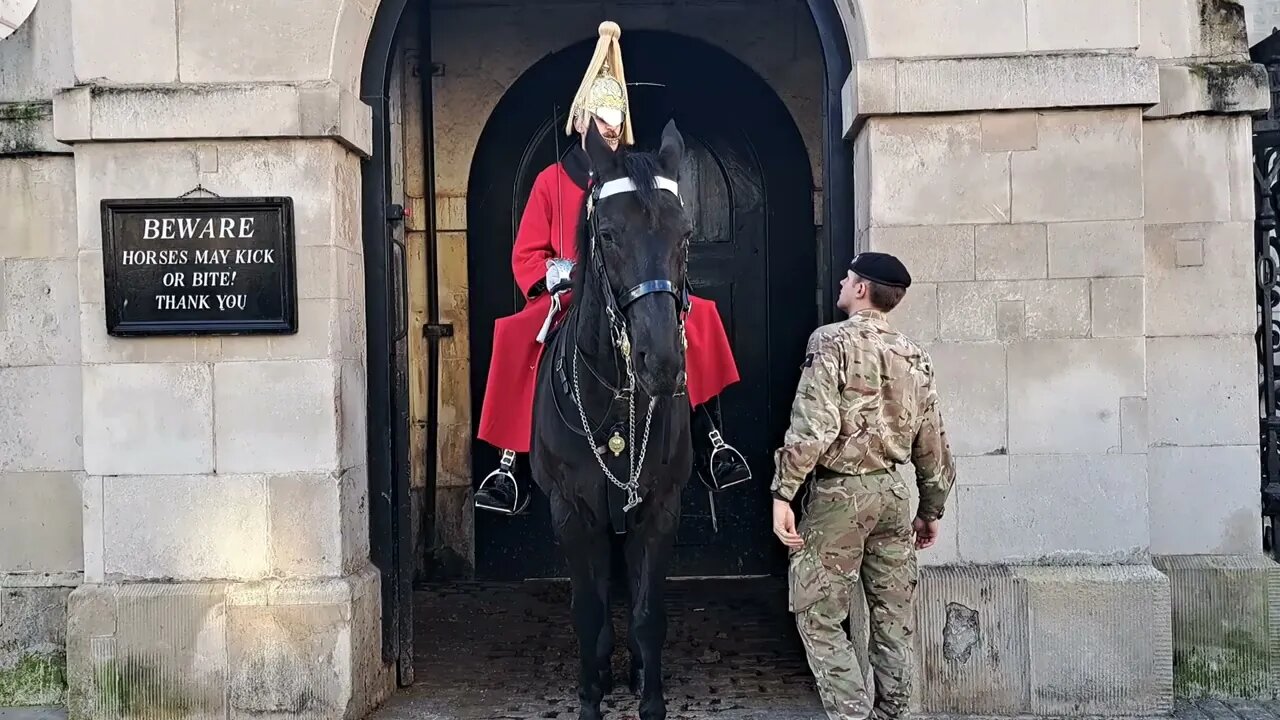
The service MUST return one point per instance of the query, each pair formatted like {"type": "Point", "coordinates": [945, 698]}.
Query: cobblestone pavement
{"type": "Point", "coordinates": [507, 652]}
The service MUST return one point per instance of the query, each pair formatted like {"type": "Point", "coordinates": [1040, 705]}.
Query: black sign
{"type": "Point", "coordinates": [199, 266]}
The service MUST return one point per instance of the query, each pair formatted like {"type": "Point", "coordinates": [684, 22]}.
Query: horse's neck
{"type": "Point", "coordinates": [593, 334]}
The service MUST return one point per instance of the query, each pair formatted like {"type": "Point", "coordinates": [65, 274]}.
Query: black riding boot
{"type": "Point", "coordinates": [501, 492]}
{"type": "Point", "coordinates": [719, 465]}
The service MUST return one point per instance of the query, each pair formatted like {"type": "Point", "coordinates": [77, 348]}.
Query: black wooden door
{"type": "Point", "coordinates": [747, 186]}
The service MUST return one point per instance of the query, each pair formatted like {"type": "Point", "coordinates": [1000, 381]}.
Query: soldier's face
{"type": "Point", "coordinates": [853, 292]}
{"type": "Point", "coordinates": [612, 134]}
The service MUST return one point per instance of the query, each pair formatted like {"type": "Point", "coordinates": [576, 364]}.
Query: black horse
{"type": "Point", "coordinates": [611, 446]}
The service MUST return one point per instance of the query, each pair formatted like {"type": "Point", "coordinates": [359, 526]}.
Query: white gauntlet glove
{"type": "Point", "coordinates": [559, 271]}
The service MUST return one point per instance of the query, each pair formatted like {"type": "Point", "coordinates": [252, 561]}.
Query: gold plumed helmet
{"type": "Point", "coordinates": [603, 91]}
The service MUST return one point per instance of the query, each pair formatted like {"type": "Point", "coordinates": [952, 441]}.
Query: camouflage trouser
{"type": "Point", "coordinates": [858, 537]}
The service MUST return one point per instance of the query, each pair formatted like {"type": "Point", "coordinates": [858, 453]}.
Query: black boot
{"type": "Point", "coordinates": [500, 491]}
{"type": "Point", "coordinates": [719, 465]}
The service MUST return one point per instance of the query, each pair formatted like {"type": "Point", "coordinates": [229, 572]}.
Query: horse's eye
{"type": "Point", "coordinates": [606, 236]}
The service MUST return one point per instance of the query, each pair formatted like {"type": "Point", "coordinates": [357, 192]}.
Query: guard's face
{"type": "Point", "coordinates": [852, 289]}
{"type": "Point", "coordinates": [610, 131]}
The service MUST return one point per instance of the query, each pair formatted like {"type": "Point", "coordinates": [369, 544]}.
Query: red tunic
{"type": "Point", "coordinates": [507, 413]}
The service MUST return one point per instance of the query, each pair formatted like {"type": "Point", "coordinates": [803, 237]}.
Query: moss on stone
{"type": "Point", "coordinates": [135, 688]}
{"type": "Point", "coordinates": [1223, 82]}
{"type": "Point", "coordinates": [37, 679]}
{"type": "Point", "coordinates": [1238, 668]}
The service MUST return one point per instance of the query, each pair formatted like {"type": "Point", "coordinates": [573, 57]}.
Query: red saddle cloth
{"type": "Point", "coordinates": [506, 418]}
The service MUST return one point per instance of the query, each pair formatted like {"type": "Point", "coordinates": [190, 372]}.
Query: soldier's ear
{"type": "Point", "coordinates": [603, 159]}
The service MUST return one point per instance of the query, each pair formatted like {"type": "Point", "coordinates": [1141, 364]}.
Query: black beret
{"type": "Point", "coordinates": [882, 268]}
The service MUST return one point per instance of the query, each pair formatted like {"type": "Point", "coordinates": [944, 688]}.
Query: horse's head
{"type": "Point", "coordinates": [641, 250]}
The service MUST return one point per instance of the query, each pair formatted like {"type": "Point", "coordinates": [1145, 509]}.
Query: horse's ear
{"type": "Point", "coordinates": [603, 159]}
{"type": "Point", "coordinates": [672, 152]}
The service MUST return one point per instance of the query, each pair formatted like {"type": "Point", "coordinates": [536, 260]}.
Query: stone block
{"type": "Point", "coordinates": [39, 313]}
{"type": "Point", "coordinates": [1193, 28]}
{"type": "Point", "coordinates": [319, 336]}
{"type": "Point", "coordinates": [972, 391]}
{"type": "Point", "coordinates": [1218, 260]}
{"type": "Point", "coordinates": [186, 527]}
{"type": "Point", "coordinates": [943, 28]}
{"type": "Point", "coordinates": [286, 660]}
{"type": "Point", "coordinates": [33, 655]}
{"type": "Point", "coordinates": [1202, 390]}
{"type": "Point", "coordinates": [276, 416]}
{"type": "Point", "coordinates": [1204, 500]}
{"type": "Point", "coordinates": [1086, 166]}
{"type": "Point", "coordinates": [26, 128]}
{"type": "Point", "coordinates": [1201, 170]}
{"type": "Point", "coordinates": [39, 221]}
{"type": "Point", "coordinates": [148, 419]}
{"type": "Point", "coordinates": [1058, 509]}
{"type": "Point", "coordinates": [151, 29]}
{"type": "Point", "coordinates": [41, 417]}
{"type": "Point", "coordinates": [42, 524]}
{"type": "Point", "coordinates": [1053, 308]}
{"type": "Point", "coordinates": [37, 57]}
{"type": "Point", "coordinates": [1079, 25]}
{"type": "Point", "coordinates": [931, 254]}
{"type": "Point", "coordinates": [1011, 252]}
{"type": "Point", "coordinates": [1134, 425]}
{"type": "Point", "coordinates": [1064, 395]}
{"type": "Point", "coordinates": [1217, 88]}
{"type": "Point", "coordinates": [1023, 82]}
{"type": "Point", "coordinates": [354, 517]}
{"type": "Point", "coordinates": [870, 89]}
{"type": "Point", "coordinates": [1010, 131]}
{"type": "Point", "coordinates": [1096, 249]}
{"type": "Point", "coordinates": [1225, 625]}
{"type": "Point", "coordinates": [1019, 641]}
{"type": "Point", "coordinates": [1099, 640]}
{"type": "Point", "coordinates": [933, 171]}
{"type": "Point", "coordinates": [1117, 306]}
{"type": "Point", "coordinates": [260, 42]}
{"type": "Point", "coordinates": [354, 406]}
{"type": "Point", "coordinates": [306, 539]}
{"type": "Point", "coordinates": [917, 315]}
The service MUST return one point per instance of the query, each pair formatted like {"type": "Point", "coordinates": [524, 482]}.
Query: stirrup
{"type": "Point", "coordinates": [707, 473]}
{"type": "Point", "coordinates": [519, 500]}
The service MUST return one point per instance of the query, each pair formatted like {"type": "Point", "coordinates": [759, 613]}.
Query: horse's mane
{"type": "Point", "coordinates": [642, 169]}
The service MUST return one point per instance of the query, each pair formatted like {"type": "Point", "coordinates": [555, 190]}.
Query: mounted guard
{"type": "Point", "coordinates": [543, 264]}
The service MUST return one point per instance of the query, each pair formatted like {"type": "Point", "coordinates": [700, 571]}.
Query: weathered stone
{"type": "Point", "coordinates": [870, 89]}
{"type": "Point", "coordinates": [933, 171]}
{"type": "Point", "coordinates": [1011, 252]}
{"type": "Point", "coordinates": [1117, 306]}
{"type": "Point", "coordinates": [151, 27]}
{"type": "Point", "coordinates": [276, 416]}
{"type": "Point", "coordinates": [354, 517]}
{"type": "Point", "coordinates": [304, 519]}
{"type": "Point", "coordinates": [354, 406]}
{"type": "Point", "coordinates": [1096, 157]}
{"type": "Point", "coordinates": [1217, 260]}
{"type": "Point", "coordinates": [42, 524]}
{"type": "Point", "coordinates": [1010, 131]}
{"type": "Point", "coordinates": [1210, 157]}
{"type": "Point", "coordinates": [39, 313]}
{"type": "Point", "coordinates": [148, 419]}
{"type": "Point", "coordinates": [1054, 308]}
{"type": "Point", "coordinates": [972, 390]}
{"type": "Point", "coordinates": [39, 220]}
{"type": "Point", "coordinates": [1134, 423]}
{"type": "Point", "coordinates": [1099, 640]}
{"type": "Point", "coordinates": [917, 315]}
{"type": "Point", "coordinates": [1204, 500]}
{"type": "Point", "coordinates": [37, 57]}
{"type": "Point", "coordinates": [1076, 25]}
{"type": "Point", "coordinates": [1050, 511]}
{"type": "Point", "coordinates": [41, 419]}
{"type": "Point", "coordinates": [943, 28]}
{"type": "Point", "coordinates": [1096, 249]}
{"type": "Point", "coordinates": [1218, 88]}
{"type": "Point", "coordinates": [1202, 390]}
{"type": "Point", "coordinates": [33, 660]}
{"type": "Point", "coordinates": [27, 128]}
{"type": "Point", "coordinates": [1193, 28]}
{"type": "Point", "coordinates": [931, 254]}
{"type": "Point", "coordinates": [263, 42]}
{"type": "Point", "coordinates": [1064, 395]}
{"type": "Point", "coordinates": [1224, 624]}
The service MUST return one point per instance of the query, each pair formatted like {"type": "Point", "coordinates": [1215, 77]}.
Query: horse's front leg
{"type": "Point", "coordinates": [587, 553]}
{"type": "Point", "coordinates": [648, 552]}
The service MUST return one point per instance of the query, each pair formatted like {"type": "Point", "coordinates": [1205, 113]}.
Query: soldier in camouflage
{"type": "Point", "coordinates": [866, 403]}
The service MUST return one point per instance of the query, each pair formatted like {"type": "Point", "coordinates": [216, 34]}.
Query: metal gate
{"type": "Point", "coordinates": [1266, 176]}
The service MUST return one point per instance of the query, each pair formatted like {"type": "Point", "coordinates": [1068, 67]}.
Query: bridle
{"type": "Point", "coordinates": [614, 306]}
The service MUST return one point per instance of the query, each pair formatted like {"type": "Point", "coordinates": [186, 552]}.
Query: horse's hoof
{"type": "Point", "coordinates": [588, 714]}
{"type": "Point", "coordinates": [654, 711]}
{"type": "Point", "coordinates": [606, 683]}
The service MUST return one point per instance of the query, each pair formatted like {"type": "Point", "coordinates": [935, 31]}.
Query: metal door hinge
{"type": "Point", "coordinates": [395, 212]}
{"type": "Point", "coordinates": [437, 330]}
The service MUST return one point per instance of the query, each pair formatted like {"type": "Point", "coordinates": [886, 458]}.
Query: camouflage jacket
{"type": "Point", "coordinates": [866, 402]}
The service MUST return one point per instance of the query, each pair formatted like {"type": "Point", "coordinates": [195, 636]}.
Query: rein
{"type": "Point", "coordinates": [614, 307]}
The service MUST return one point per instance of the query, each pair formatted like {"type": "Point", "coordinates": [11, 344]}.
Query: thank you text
{"type": "Point", "coordinates": [199, 266]}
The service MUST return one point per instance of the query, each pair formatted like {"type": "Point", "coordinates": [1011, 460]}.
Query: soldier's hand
{"type": "Point", "coordinates": [784, 525]}
{"type": "Point", "coordinates": [926, 532]}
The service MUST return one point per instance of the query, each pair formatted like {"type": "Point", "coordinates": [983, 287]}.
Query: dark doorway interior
{"type": "Point", "coordinates": [748, 185]}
